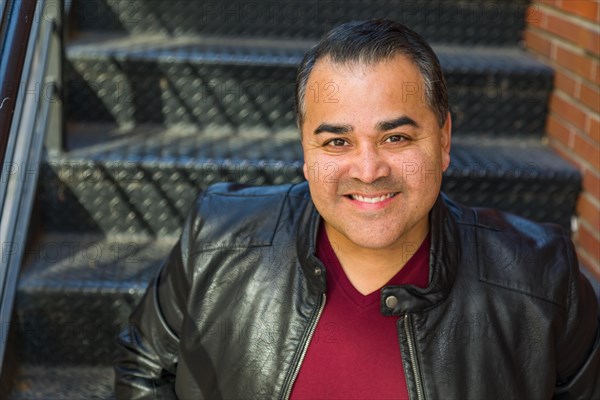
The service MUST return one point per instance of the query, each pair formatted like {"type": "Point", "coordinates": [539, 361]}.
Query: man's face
{"type": "Point", "coordinates": [373, 152]}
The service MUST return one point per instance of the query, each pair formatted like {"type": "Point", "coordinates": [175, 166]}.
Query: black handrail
{"type": "Point", "coordinates": [17, 20]}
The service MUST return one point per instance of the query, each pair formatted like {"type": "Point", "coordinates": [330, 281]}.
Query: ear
{"type": "Point", "coordinates": [305, 170]}
{"type": "Point", "coordinates": [445, 139]}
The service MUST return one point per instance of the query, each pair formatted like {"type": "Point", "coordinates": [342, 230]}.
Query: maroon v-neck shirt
{"type": "Point", "coordinates": [354, 352]}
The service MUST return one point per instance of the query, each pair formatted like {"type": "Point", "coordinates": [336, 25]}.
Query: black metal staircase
{"type": "Point", "coordinates": [166, 97]}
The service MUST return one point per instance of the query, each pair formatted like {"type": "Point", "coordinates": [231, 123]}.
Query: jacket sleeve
{"type": "Point", "coordinates": [150, 343]}
{"type": "Point", "coordinates": [578, 355]}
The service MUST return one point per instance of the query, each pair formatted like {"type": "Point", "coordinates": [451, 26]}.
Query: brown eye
{"type": "Point", "coordinates": [337, 142]}
{"type": "Point", "coordinates": [395, 138]}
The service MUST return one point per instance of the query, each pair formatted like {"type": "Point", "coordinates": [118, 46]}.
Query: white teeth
{"type": "Point", "coordinates": [372, 199]}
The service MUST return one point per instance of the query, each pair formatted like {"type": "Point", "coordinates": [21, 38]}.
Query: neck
{"type": "Point", "coordinates": [369, 269]}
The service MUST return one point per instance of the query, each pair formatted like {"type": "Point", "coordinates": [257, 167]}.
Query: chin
{"type": "Point", "coordinates": [374, 241]}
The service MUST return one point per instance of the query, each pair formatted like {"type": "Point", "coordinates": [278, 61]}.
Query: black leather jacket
{"type": "Point", "coordinates": [506, 315]}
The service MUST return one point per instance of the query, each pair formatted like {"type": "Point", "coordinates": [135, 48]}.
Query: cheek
{"type": "Point", "coordinates": [310, 170]}
{"type": "Point", "coordinates": [323, 170]}
{"type": "Point", "coordinates": [330, 172]}
{"type": "Point", "coordinates": [418, 168]}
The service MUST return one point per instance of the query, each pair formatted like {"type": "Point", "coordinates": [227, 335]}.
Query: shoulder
{"type": "Point", "coordinates": [499, 226]}
{"type": "Point", "coordinates": [242, 215]}
{"type": "Point", "coordinates": [515, 253]}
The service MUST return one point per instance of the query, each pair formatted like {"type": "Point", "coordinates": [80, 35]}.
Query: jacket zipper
{"type": "Point", "coordinates": [413, 356]}
{"type": "Point", "coordinates": [307, 341]}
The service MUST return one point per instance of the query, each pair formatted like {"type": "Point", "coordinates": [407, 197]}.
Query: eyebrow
{"type": "Point", "coordinates": [396, 123]}
{"type": "Point", "coordinates": [381, 126]}
{"type": "Point", "coordinates": [337, 129]}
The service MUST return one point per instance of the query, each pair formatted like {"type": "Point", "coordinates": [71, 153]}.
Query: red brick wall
{"type": "Point", "coordinates": [565, 35]}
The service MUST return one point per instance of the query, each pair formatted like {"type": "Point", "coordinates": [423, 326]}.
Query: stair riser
{"type": "Point", "coordinates": [155, 199]}
{"type": "Point", "coordinates": [250, 96]}
{"type": "Point", "coordinates": [471, 23]}
{"type": "Point", "coordinates": [71, 327]}
{"type": "Point", "coordinates": [181, 93]}
{"type": "Point", "coordinates": [76, 293]}
{"type": "Point", "coordinates": [129, 198]}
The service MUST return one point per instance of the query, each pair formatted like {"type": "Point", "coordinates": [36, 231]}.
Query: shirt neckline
{"type": "Point", "coordinates": [338, 276]}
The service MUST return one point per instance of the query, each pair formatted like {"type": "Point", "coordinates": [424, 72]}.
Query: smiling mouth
{"type": "Point", "coordinates": [372, 199]}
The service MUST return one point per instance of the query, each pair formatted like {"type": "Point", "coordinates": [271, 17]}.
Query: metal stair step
{"type": "Point", "coordinates": [146, 186]}
{"type": "Point", "coordinates": [491, 22]}
{"type": "Point", "coordinates": [50, 382]}
{"type": "Point", "coordinates": [249, 83]}
{"type": "Point", "coordinates": [76, 292]}
{"type": "Point", "coordinates": [526, 178]}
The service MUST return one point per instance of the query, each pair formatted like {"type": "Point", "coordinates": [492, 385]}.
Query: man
{"type": "Point", "coordinates": [364, 282]}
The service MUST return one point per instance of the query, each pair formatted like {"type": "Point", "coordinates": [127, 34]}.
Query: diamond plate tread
{"type": "Point", "coordinates": [49, 382]}
{"type": "Point", "coordinates": [180, 143]}
{"type": "Point", "coordinates": [522, 177]}
{"type": "Point", "coordinates": [250, 83]}
{"type": "Point", "coordinates": [76, 292]}
{"type": "Point", "coordinates": [146, 186]}
{"type": "Point", "coordinates": [118, 262]}
{"type": "Point", "coordinates": [492, 22]}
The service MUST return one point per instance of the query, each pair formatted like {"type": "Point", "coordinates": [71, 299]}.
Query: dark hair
{"type": "Point", "coordinates": [369, 42]}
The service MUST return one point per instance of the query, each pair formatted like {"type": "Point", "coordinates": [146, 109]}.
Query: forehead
{"type": "Point", "coordinates": [390, 86]}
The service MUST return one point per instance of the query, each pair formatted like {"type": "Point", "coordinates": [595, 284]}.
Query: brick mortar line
{"type": "Point", "coordinates": [595, 201]}
{"type": "Point", "coordinates": [551, 62]}
{"type": "Point", "coordinates": [570, 124]}
{"type": "Point", "coordinates": [584, 222]}
{"type": "Point", "coordinates": [565, 43]}
{"type": "Point", "coordinates": [540, 32]}
{"type": "Point", "coordinates": [592, 231]}
{"type": "Point", "coordinates": [541, 58]}
{"type": "Point", "coordinates": [554, 65]}
{"type": "Point", "coordinates": [589, 111]}
{"type": "Point", "coordinates": [586, 262]}
{"type": "Point", "coordinates": [589, 267]}
{"type": "Point", "coordinates": [586, 165]}
{"type": "Point", "coordinates": [567, 97]}
{"type": "Point", "coordinates": [567, 15]}
{"type": "Point", "coordinates": [574, 157]}
{"type": "Point", "coordinates": [574, 76]}
{"type": "Point", "coordinates": [596, 173]}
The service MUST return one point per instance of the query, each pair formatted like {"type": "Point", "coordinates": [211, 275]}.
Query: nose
{"type": "Point", "coordinates": [368, 165]}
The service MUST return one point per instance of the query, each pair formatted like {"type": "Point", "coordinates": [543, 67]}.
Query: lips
{"type": "Point", "coordinates": [372, 199]}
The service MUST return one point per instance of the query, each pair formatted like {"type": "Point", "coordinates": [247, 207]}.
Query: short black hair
{"type": "Point", "coordinates": [372, 41]}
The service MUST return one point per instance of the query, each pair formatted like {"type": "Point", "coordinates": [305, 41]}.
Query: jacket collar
{"type": "Point", "coordinates": [444, 253]}
{"type": "Point", "coordinates": [306, 239]}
